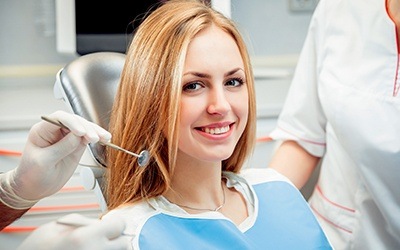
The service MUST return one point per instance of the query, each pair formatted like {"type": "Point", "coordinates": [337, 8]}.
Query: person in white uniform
{"type": "Point", "coordinates": [49, 159]}
{"type": "Point", "coordinates": [187, 95]}
{"type": "Point", "coordinates": [343, 110]}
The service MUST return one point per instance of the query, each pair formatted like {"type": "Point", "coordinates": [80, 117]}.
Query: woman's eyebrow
{"type": "Point", "coordinates": [204, 75]}
{"type": "Point", "coordinates": [233, 71]}
{"type": "Point", "coordinates": [198, 74]}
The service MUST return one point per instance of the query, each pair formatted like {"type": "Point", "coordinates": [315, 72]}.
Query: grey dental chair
{"type": "Point", "coordinates": [88, 86]}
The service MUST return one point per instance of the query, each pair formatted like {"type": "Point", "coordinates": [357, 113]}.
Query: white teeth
{"type": "Point", "coordinates": [216, 131]}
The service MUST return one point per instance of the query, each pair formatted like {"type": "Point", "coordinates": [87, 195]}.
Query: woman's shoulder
{"type": "Point", "coordinates": [132, 214]}
{"type": "Point", "coordinates": [261, 175]}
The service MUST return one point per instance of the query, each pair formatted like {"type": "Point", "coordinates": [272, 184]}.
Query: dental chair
{"type": "Point", "coordinates": [88, 86]}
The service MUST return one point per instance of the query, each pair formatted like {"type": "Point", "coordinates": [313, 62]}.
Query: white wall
{"type": "Point", "coordinates": [270, 26]}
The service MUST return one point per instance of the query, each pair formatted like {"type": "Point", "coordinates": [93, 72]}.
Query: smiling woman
{"type": "Point", "coordinates": [187, 95]}
{"type": "Point", "coordinates": [212, 120]}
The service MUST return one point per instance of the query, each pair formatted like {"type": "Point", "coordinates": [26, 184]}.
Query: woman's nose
{"type": "Point", "coordinates": [218, 102]}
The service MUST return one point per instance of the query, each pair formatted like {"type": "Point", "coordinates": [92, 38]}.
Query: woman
{"type": "Point", "coordinates": [187, 95]}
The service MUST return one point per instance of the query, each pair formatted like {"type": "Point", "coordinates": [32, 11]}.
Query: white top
{"type": "Point", "coordinates": [279, 217]}
{"type": "Point", "coordinates": [344, 104]}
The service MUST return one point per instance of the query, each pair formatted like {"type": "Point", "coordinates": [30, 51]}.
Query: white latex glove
{"type": "Point", "coordinates": [49, 159]}
{"type": "Point", "coordinates": [97, 234]}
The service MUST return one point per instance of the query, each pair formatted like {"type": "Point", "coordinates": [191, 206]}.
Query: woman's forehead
{"type": "Point", "coordinates": [213, 48]}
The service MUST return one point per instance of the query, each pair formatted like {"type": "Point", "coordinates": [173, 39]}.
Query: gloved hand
{"type": "Point", "coordinates": [49, 159]}
{"type": "Point", "coordinates": [97, 234]}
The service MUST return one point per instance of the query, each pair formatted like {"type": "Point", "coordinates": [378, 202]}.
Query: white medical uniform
{"type": "Point", "coordinates": [344, 105]}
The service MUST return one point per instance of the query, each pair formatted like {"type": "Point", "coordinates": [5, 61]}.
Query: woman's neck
{"type": "Point", "coordinates": [196, 184]}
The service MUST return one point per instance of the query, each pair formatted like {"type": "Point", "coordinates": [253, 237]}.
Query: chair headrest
{"type": "Point", "coordinates": [89, 84]}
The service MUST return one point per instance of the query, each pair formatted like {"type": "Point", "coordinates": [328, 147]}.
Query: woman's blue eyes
{"type": "Point", "coordinates": [193, 86]}
{"type": "Point", "coordinates": [235, 82]}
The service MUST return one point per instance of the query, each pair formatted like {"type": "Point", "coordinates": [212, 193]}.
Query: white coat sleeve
{"type": "Point", "coordinates": [302, 118]}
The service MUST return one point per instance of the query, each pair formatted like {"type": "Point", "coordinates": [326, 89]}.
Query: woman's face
{"type": "Point", "coordinates": [214, 104]}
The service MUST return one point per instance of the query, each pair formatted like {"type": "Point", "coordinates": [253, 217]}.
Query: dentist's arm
{"type": "Point", "coordinates": [49, 159]}
{"type": "Point", "coordinates": [291, 160]}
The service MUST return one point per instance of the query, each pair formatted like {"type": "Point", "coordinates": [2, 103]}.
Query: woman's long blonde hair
{"type": "Point", "coordinates": [146, 110]}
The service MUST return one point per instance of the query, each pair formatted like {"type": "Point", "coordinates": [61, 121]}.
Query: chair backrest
{"type": "Point", "coordinates": [88, 85]}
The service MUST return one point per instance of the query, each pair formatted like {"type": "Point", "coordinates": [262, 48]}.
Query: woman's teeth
{"type": "Point", "coordinates": [216, 131]}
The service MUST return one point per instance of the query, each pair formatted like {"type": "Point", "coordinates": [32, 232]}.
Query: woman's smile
{"type": "Point", "coordinates": [220, 130]}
